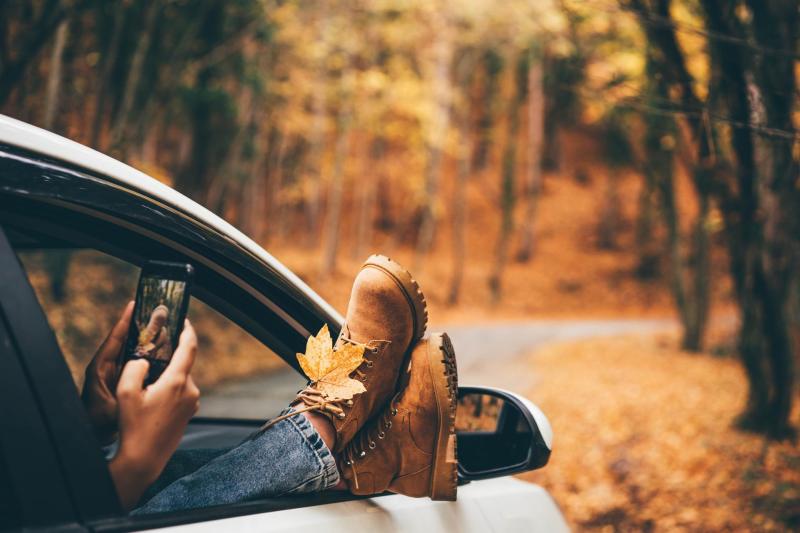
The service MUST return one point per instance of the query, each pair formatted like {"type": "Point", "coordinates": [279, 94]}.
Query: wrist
{"type": "Point", "coordinates": [131, 475]}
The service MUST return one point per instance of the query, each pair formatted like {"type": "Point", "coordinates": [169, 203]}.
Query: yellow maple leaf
{"type": "Point", "coordinates": [330, 369]}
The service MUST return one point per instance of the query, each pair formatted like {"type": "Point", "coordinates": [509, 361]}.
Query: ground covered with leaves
{"type": "Point", "coordinates": [644, 441]}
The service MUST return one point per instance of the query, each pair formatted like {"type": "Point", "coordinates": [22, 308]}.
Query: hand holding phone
{"type": "Point", "coordinates": [162, 301]}
{"type": "Point", "coordinates": [152, 420]}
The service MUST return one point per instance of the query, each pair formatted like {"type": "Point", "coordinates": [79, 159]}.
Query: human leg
{"type": "Point", "coordinates": [287, 458]}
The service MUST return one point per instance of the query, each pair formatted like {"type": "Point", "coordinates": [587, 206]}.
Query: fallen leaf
{"type": "Point", "coordinates": [330, 369]}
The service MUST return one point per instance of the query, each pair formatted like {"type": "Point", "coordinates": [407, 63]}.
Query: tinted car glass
{"type": "Point", "coordinates": [84, 291]}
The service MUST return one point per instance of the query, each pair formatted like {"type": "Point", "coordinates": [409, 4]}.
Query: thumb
{"type": "Point", "coordinates": [131, 381]}
{"type": "Point", "coordinates": [109, 350]}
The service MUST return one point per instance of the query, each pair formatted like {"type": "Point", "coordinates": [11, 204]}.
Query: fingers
{"type": "Point", "coordinates": [119, 333]}
{"type": "Point", "coordinates": [131, 381]}
{"type": "Point", "coordinates": [183, 358]}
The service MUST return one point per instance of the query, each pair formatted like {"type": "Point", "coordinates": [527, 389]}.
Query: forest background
{"type": "Point", "coordinates": [526, 159]}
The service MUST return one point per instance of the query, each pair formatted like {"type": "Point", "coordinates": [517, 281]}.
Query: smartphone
{"type": "Point", "coordinates": [162, 300]}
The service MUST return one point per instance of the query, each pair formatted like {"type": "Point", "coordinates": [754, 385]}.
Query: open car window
{"type": "Point", "coordinates": [83, 292]}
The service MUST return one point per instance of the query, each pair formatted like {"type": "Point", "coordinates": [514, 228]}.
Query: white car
{"type": "Point", "coordinates": [57, 195]}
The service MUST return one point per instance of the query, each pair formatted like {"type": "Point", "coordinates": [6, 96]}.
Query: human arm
{"type": "Point", "coordinates": [152, 419]}
{"type": "Point", "coordinates": [100, 381]}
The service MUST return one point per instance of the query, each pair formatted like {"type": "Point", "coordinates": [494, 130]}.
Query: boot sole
{"type": "Point", "coordinates": [410, 288]}
{"type": "Point", "coordinates": [444, 374]}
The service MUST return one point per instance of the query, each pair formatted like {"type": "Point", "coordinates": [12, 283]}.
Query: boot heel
{"type": "Point", "coordinates": [444, 471]}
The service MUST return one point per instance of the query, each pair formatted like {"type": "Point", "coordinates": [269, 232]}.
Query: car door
{"type": "Point", "coordinates": [33, 488]}
{"type": "Point", "coordinates": [46, 206]}
{"type": "Point", "coordinates": [504, 503]}
{"type": "Point", "coordinates": [44, 203]}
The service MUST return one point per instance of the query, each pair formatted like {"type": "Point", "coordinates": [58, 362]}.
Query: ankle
{"type": "Point", "coordinates": [323, 426]}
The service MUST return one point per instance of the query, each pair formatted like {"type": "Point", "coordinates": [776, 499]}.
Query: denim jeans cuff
{"type": "Point", "coordinates": [329, 473]}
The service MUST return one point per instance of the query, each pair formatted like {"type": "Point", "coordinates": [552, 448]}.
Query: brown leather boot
{"type": "Point", "coordinates": [388, 314]}
{"type": "Point", "coordinates": [411, 447]}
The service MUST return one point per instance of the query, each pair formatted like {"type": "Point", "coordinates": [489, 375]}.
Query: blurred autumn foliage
{"type": "Point", "coordinates": [523, 157]}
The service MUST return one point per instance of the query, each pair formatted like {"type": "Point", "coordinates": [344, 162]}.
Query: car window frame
{"type": "Point", "coordinates": [76, 476]}
{"type": "Point", "coordinates": [98, 515]}
{"type": "Point", "coordinates": [26, 207]}
{"type": "Point", "coordinates": [37, 191]}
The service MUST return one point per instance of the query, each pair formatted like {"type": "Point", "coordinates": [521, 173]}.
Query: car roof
{"type": "Point", "coordinates": [31, 138]}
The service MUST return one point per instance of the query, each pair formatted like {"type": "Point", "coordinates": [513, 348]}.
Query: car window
{"type": "Point", "coordinates": [83, 293]}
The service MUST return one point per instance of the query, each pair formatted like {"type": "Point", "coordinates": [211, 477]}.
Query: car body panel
{"type": "Point", "coordinates": [503, 505]}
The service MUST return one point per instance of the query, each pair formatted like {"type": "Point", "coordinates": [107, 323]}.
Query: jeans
{"type": "Point", "coordinates": [287, 458]}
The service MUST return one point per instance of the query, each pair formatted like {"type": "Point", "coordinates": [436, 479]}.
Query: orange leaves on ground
{"type": "Point", "coordinates": [330, 369]}
{"type": "Point", "coordinates": [644, 440]}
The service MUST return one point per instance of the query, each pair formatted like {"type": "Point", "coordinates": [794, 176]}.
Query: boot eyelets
{"type": "Point", "coordinates": [381, 435]}
{"type": "Point", "coordinates": [370, 364]}
{"type": "Point", "coordinates": [340, 416]}
{"type": "Point", "coordinates": [362, 454]}
{"type": "Point", "coordinates": [371, 445]}
{"type": "Point", "coordinates": [394, 412]}
{"type": "Point", "coordinates": [388, 424]}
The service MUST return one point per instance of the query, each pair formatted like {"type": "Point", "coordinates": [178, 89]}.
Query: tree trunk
{"type": "Point", "coordinates": [314, 206]}
{"type": "Point", "coordinates": [275, 205]}
{"type": "Point", "coordinates": [57, 261]}
{"type": "Point", "coordinates": [609, 219]}
{"type": "Point", "coordinates": [427, 226]}
{"type": "Point", "coordinates": [771, 95]}
{"type": "Point", "coordinates": [369, 185]}
{"type": "Point", "coordinates": [751, 347]}
{"type": "Point", "coordinates": [459, 205]}
{"type": "Point", "coordinates": [660, 168]}
{"type": "Point", "coordinates": [230, 174]}
{"type": "Point", "coordinates": [56, 264]}
{"type": "Point", "coordinates": [758, 89]}
{"type": "Point", "coordinates": [52, 13]}
{"type": "Point", "coordinates": [666, 66]}
{"type": "Point", "coordinates": [132, 83]}
{"type": "Point", "coordinates": [334, 218]}
{"type": "Point", "coordinates": [459, 223]}
{"type": "Point", "coordinates": [54, 76]}
{"type": "Point", "coordinates": [319, 104]}
{"type": "Point", "coordinates": [109, 58]}
{"type": "Point", "coordinates": [533, 184]}
{"type": "Point", "coordinates": [493, 66]}
{"type": "Point", "coordinates": [435, 144]}
{"type": "Point", "coordinates": [647, 246]}
{"type": "Point", "coordinates": [700, 270]}
{"type": "Point", "coordinates": [507, 194]}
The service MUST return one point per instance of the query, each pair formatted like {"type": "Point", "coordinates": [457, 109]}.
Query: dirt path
{"type": "Point", "coordinates": [487, 355]}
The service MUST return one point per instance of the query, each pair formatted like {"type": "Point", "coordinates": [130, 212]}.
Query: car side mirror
{"type": "Point", "coordinates": [499, 433]}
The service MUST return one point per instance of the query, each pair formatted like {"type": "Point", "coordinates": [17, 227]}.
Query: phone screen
{"type": "Point", "coordinates": [158, 315]}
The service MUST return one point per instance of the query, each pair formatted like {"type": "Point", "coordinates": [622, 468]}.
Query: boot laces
{"type": "Point", "coordinates": [314, 400]}
{"type": "Point", "coordinates": [369, 439]}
